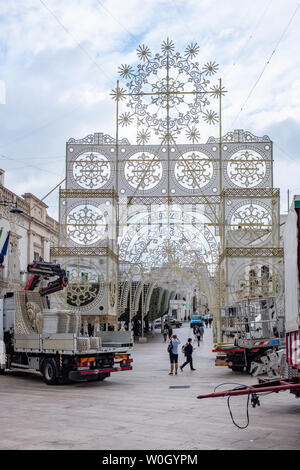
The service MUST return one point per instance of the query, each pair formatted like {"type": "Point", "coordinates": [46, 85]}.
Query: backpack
{"type": "Point", "coordinates": [184, 348]}
{"type": "Point", "coordinates": [170, 347]}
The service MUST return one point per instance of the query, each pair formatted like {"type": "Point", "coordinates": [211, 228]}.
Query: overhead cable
{"type": "Point", "coordinates": [267, 63]}
{"type": "Point", "coordinates": [116, 19]}
{"type": "Point", "coordinates": [75, 40]}
{"type": "Point", "coordinates": [253, 30]}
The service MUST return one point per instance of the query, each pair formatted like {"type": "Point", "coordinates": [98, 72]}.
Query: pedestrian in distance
{"type": "Point", "coordinates": [173, 352]}
{"type": "Point", "coordinates": [170, 331]}
{"type": "Point", "coordinates": [210, 320]}
{"type": "Point", "coordinates": [188, 351]}
{"type": "Point", "coordinates": [165, 332]}
{"type": "Point", "coordinates": [198, 335]}
{"type": "Point", "coordinates": [201, 326]}
{"type": "Point", "coordinates": [206, 321]}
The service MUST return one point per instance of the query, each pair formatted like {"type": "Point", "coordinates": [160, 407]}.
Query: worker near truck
{"type": "Point", "coordinates": [9, 344]}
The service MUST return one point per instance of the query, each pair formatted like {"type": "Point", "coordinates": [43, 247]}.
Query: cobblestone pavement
{"type": "Point", "coordinates": [139, 409]}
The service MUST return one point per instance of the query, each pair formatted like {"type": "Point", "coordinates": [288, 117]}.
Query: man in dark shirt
{"type": "Point", "coordinates": [188, 351]}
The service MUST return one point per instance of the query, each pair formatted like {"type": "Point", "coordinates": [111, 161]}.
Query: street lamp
{"type": "Point", "coordinates": [15, 209]}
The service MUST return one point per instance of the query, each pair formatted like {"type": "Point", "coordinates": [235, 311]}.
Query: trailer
{"type": "Point", "coordinates": [36, 337]}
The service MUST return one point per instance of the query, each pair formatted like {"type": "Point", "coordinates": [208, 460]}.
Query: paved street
{"type": "Point", "coordinates": [139, 410]}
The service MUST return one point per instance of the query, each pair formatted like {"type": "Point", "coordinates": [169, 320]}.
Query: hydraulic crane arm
{"type": "Point", "coordinates": [44, 270]}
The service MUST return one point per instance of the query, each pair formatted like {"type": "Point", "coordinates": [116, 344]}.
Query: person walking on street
{"type": "Point", "coordinates": [198, 335]}
{"type": "Point", "coordinates": [201, 329]}
{"type": "Point", "coordinates": [188, 351]}
{"type": "Point", "coordinates": [165, 332]}
{"type": "Point", "coordinates": [170, 332]}
{"type": "Point", "coordinates": [210, 320]}
{"type": "Point", "coordinates": [206, 320]}
{"type": "Point", "coordinates": [173, 351]}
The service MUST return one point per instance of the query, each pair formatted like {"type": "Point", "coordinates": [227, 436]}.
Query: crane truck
{"type": "Point", "coordinates": [36, 337]}
{"type": "Point", "coordinates": [289, 378]}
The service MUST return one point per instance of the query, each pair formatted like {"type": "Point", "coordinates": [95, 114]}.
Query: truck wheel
{"type": "Point", "coordinates": [63, 380]}
{"type": "Point", "coordinates": [237, 368]}
{"type": "Point", "coordinates": [102, 377]}
{"type": "Point", "coordinates": [49, 371]}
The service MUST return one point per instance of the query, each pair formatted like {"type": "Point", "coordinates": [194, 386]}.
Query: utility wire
{"type": "Point", "coordinates": [253, 30]}
{"type": "Point", "coordinates": [41, 127]}
{"type": "Point", "coordinates": [286, 153]}
{"type": "Point", "coordinates": [74, 39]}
{"type": "Point", "coordinates": [114, 18]}
{"type": "Point", "coordinates": [77, 107]}
{"type": "Point", "coordinates": [28, 157]}
{"type": "Point", "coordinates": [31, 166]}
{"type": "Point", "coordinates": [267, 63]}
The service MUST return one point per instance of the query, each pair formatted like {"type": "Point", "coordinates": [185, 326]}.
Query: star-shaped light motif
{"type": "Point", "coordinates": [143, 137]}
{"type": "Point", "coordinates": [126, 71]}
{"type": "Point", "coordinates": [148, 78]}
{"type": "Point", "coordinates": [210, 68]}
{"type": "Point", "coordinates": [143, 52]}
{"type": "Point", "coordinates": [217, 91]}
{"type": "Point", "coordinates": [193, 135]}
{"type": "Point", "coordinates": [118, 94]}
{"type": "Point", "coordinates": [192, 50]}
{"type": "Point", "coordinates": [168, 137]}
{"type": "Point", "coordinates": [125, 119]}
{"type": "Point", "coordinates": [211, 117]}
{"type": "Point", "coordinates": [167, 46]}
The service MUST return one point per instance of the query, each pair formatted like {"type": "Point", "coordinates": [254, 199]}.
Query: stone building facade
{"type": "Point", "coordinates": [32, 233]}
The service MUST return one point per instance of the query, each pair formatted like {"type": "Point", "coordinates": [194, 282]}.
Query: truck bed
{"type": "Point", "coordinates": [70, 343]}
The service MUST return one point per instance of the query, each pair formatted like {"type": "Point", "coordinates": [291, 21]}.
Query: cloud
{"type": "Point", "coordinates": [59, 67]}
{"type": "Point", "coordinates": [286, 137]}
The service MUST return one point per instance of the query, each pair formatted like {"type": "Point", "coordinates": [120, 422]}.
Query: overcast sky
{"type": "Point", "coordinates": [59, 62]}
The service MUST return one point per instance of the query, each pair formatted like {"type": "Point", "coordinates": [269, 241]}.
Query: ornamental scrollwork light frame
{"type": "Point", "coordinates": [166, 93]}
{"type": "Point", "coordinates": [241, 167]}
{"type": "Point", "coordinates": [165, 98]}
